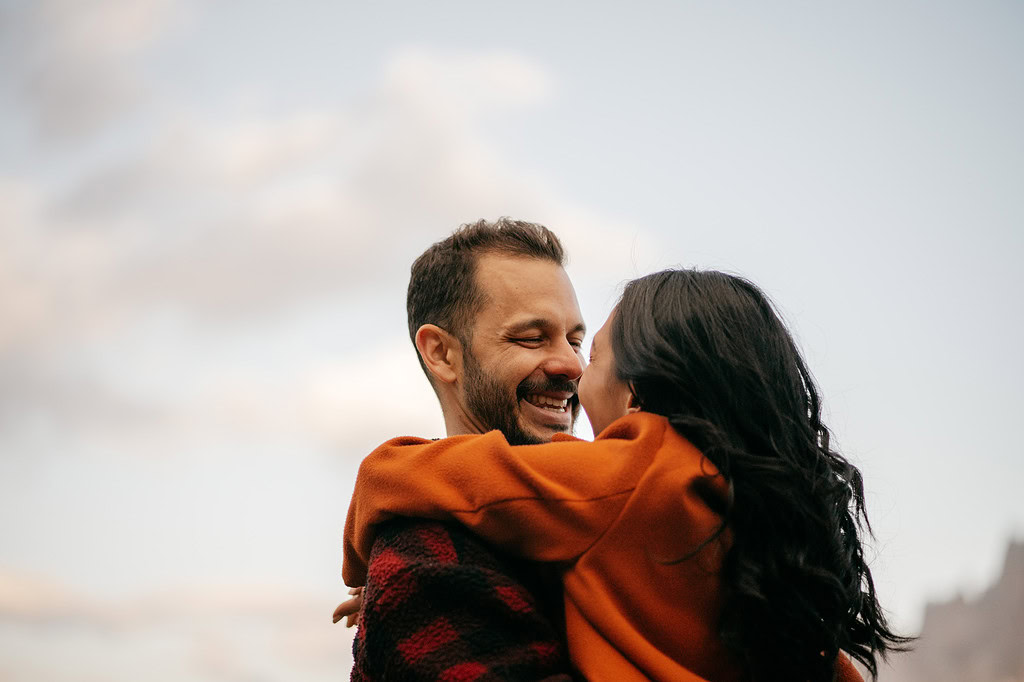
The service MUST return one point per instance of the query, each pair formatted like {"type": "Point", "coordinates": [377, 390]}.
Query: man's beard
{"type": "Point", "coordinates": [490, 402]}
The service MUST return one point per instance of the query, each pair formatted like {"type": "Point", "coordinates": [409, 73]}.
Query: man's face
{"type": "Point", "coordinates": [523, 362]}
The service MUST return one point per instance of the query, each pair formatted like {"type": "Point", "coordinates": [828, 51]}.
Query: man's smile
{"type": "Point", "coordinates": [548, 409]}
{"type": "Point", "coordinates": [548, 402]}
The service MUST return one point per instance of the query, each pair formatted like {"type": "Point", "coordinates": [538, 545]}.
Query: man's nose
{"type": "Point", "coordinates": [564, 361]}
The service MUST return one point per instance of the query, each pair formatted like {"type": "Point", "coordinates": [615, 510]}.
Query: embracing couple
{"type": "Point", "coordinates": [709, 532]}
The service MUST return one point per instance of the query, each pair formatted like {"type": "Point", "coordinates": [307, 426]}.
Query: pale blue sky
{"type": "Point", "coordinates": [208, 210]}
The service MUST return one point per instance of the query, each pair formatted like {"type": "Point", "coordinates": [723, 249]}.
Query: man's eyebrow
{"type": "Point", "coordinates": [540, 323]}
{"type": "Point", "coordinates": [527, 325]}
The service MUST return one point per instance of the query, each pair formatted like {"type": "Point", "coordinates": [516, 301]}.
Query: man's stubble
{"type": "Point", "coordinates": [491, 403]}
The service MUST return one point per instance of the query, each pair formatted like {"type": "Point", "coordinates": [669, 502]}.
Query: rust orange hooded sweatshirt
{"type": "Point", "coordinates": [614, 513]}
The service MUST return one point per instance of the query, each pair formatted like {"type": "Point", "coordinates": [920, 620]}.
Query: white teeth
{"type": "Point", "coordinates": [548, 402]}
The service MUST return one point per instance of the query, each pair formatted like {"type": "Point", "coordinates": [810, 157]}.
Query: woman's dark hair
{"type": "Point", "coordinates": [708, 351]}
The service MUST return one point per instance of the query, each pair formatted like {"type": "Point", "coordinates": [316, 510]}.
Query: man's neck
{"type": "Point", "coordinates": [457, 422]}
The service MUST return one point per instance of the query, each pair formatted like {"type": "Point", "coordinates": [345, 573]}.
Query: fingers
{"type": "Point", "coordinates": [346, 608]}
{"type": "Point", "coordinates": [341, 611]}
{"type": "Point", "coordinates": [353, 617]}
{"type": "Point", "coordinates": [350, 608]}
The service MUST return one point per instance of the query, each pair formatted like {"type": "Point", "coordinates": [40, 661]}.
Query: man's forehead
{"type": "Point", "coordinates": [518, 291]}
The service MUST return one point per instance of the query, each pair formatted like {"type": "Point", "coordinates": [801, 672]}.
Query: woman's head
{"type": "Point", "coordinates": [698, 342]}
{"type": "Point", "coordinates": [708, 351]}
{"type": "Point", "coordinates": [710, 346]}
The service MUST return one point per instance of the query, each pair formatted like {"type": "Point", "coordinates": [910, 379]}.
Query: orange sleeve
{"type": "Point", "coordinates": [845, 670]}
{"type": "Point", "coordinates": [546, 502]}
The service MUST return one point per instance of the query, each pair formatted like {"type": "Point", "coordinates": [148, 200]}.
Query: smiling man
{"type": "Point", "coordinates": [512, 361]}
{"type": "Point", "coordinates": [498, 331]}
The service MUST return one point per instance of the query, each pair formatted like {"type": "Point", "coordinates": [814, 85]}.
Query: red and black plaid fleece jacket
{"type": "Point", "coordinates": [441, 605]}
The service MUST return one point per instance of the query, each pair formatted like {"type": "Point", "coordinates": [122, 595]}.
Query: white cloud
{"type": "Point", "coordinates": [115, 28]}
{"type": "Point", "coordinates": [32, 597]}
{"type": "Point", "coordinates": [459, 86]}
{"type": "Point", "coordinates": [227, 226]}
{"type": "Point", "coordinates": [355, 401]}
{"type": "Point", "coordinates": [214, 632]}
{"type": "Point", "coordinates": [266, 210]}
{"type": "Point", "coordinates": [79, 60]}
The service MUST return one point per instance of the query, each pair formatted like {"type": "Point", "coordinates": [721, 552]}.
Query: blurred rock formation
{"type": "Point", "coordinates": [977, 640]}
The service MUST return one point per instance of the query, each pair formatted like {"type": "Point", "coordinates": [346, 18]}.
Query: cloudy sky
{"type": "Point", "coordinates": [208, 211]}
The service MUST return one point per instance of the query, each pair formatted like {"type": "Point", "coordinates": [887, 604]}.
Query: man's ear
{"type": "Point", "coordinates": [441, 352]}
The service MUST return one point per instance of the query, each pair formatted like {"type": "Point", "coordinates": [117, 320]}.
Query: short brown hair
{"type": "Point", "coordinates": [442, 285]}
